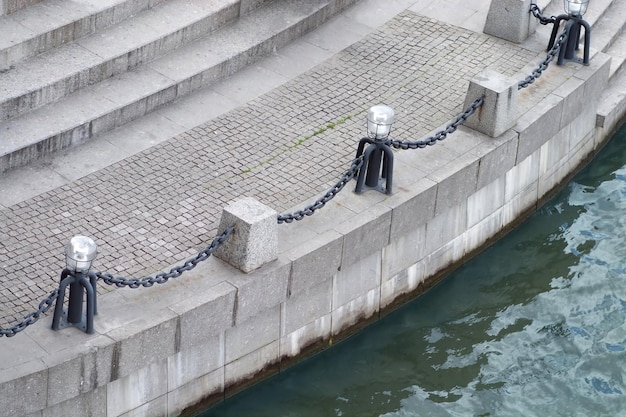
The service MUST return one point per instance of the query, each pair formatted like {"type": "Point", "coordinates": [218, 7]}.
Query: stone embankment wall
{"type": "Point", "coordinates": [217, 329]}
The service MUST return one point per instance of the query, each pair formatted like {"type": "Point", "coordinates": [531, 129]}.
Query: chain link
{"type": "Point", "coordinates": [544, 65]}
{"type": "Point", "coordinates": [442, 134]}
{"type": "Point", "coordinates": [31, 318]}
{"type": "Point", "coordinates": [330, 194]}
{"type": "Point", "coordinates": [163, 277]}
{"type": "Point", "coordinates": [536, 11]}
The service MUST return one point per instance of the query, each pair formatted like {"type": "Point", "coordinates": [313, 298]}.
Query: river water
{"type": "Point", "coordinates": [533, 326]}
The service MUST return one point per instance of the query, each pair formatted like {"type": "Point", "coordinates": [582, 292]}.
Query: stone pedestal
{"type": "Point", "coordinates": [499, 111]}
{"type": "Point", "coordinates": [510, 20]}
{"type": "Point", "coordinates": [255, 239]}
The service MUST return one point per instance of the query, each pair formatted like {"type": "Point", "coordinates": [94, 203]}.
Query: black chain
{"type": "Point", "coordinates": [536, 11]}
{"type": "Point", "coordinates": [44, 306]}
{"type": "Point", "coordinates": [160, 278]}
{"type": "Point", "coordinates": [330, 194]}
{"type": "Point", "coordinates": [163, 277]}
{"type": "Point", "coordinates": [442, 134]}
{"type": "Point", "coordinates": [544, 65]}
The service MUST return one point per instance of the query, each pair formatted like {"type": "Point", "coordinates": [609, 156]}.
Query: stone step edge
{"type": "Point", "coordinates": [89, 69]}
{"type": "Point", "coordinates": [618, 54]}
{"type": "Point", "coordinates": [610, 26]}
{"type": "Point", "coordinates": [612, 106]}
{"type": "Point", "coordinates": [17, 150]}
{"type": "Point", "coordinates": [9, 7]}
{"type": "Point", "coordinates": [30, 39]}
{"type": "Point", "coordinates": [606, 34]}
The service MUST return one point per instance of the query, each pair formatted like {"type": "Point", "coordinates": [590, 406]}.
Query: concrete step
{"type": "Point", "coordinates": [612, 105]}
{"type": "Point", "coordinates": [114, 101]}
{"type": "Point", "coordinates": [46, 25]}
{"type": "Point", "coordinates": [617, 51]}
{"type": "Point", "coordinates": [12, 6]}
{"type": "Point", "coordinates": [50, 76]}
{"type": "Point", "coordinates": [608, 35]}
{"type": "Point", "coordinates": [611, 37]}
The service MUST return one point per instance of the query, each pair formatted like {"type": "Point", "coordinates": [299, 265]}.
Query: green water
{"type": "Point", "coordinates": [534, 326]}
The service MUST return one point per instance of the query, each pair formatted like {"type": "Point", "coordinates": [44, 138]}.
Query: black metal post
{"type": "Point", "coordinates": [567, 51]}
{"type": "Point", "coordinates": [77, 281]}
{"type": "Point", "coordinates": [370, 176]}
{"type": "Point", "coordinates": [75, 304]}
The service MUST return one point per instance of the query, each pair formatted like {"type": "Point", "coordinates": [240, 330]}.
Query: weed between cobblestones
{"type": "Point", "coordinates": [299, 142]}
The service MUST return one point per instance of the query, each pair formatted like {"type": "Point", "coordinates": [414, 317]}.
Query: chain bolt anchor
{"type": "Point", "coordinates": [79, 254]}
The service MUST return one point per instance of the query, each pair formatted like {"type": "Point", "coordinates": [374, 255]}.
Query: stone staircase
{"type": "Point", "coordinates": [71, 70]}
{"type": "Point", "coordinates": [611, 35]}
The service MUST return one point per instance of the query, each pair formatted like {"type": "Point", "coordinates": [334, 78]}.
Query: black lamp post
{"type": "Point", "coordinates": [575, 9]}
{"type": "Point", "coordinates": [370, 176]}
{"type": "Point", "coordinates": [79, 254]}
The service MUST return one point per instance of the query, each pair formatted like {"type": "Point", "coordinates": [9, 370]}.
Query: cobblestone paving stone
{"type": "Point", "coordinates": [285, 148]}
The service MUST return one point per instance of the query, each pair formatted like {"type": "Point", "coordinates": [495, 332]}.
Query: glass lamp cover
{"type": "Point", "coordinates": [379, 121]}
{"type": "Point", "coordinates": [79, 253]}
{"type": "Point", "coordinates": [575, 7]}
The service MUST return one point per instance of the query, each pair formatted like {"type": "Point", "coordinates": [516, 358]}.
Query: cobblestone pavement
{"type": "Point", "coordinates": [161, 206]}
